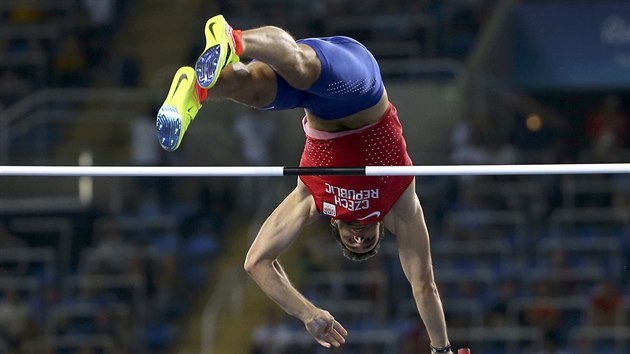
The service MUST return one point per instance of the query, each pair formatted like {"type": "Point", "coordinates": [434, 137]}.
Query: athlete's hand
{"type": "Point", "coordinates": [325, 329]}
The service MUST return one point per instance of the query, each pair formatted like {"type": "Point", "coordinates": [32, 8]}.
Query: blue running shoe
{"type": "Point", "coordinates": [219, 52]}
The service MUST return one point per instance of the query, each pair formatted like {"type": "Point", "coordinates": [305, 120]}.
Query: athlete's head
{"type": "Point", "coordinates": [358, 242]}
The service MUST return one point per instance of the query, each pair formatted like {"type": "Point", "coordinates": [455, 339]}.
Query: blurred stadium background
{"type": "Point", "coordinates": [532, 264]}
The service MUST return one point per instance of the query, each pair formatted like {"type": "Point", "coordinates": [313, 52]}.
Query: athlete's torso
{"type": "Point", "coordinates": [357, 198]}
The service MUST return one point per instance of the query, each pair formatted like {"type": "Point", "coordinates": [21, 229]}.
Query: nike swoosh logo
{"type": "Point", "coordinates": [181, 78]}
{"type": "Point", "coordinates": [211, 29]}
{"type": "Point", "coordinates": [373, 214]}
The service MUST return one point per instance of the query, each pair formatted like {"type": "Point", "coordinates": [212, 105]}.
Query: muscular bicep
{"type": "Point", "coordinates": [283, 226]}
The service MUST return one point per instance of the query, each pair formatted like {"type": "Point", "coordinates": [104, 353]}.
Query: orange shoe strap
{"type": "Point", "coordinates": [200, 92]}
{"type": "Point", "coordinates": [238, 41]}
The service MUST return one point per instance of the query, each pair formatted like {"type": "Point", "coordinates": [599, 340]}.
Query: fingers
{"type": "Point", "coordinates": [337, 332]}
{"type": "Point", "coordinates": [328, 340]}
{"type": "Point", "coordinates": [334, 335]}
{"type": "Point", "coordinates": [339, 328]}
{"type": "Point", "coordinates": [327, 331]}
{"type": "Point", "coordinates": [335, 338]}
{"type": "Point", "coordinates": [323, 343]}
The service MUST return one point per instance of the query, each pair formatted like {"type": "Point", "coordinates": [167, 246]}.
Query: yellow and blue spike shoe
{"type": "Point", "coordinates": [219, 52]}
{"type": "Point", "coordinates": [178, 110]}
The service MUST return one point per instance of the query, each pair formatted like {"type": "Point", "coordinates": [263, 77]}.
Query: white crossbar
{"type": "Point", "coordinates": [218, 171]}
{"type": "Point", "coordinates": [533, 169]}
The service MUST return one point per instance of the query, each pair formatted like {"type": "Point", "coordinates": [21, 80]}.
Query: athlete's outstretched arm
{"type": "Point", "coordinates": [406, 221]}
{"type": "Point", "coordinates": [276, 235]}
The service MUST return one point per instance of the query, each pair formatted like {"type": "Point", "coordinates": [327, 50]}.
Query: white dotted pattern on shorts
{"type": "Point", "coordinates": [346, 87]}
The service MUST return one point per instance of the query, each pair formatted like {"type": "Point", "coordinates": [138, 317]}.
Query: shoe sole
{"type": "Point", "coordinates": [168, 124]}
{"type": "Point", "coordinates": [206, 66]}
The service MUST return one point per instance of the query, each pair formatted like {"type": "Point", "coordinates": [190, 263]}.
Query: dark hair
{"type": "Point", "coordinates": [354, 256]}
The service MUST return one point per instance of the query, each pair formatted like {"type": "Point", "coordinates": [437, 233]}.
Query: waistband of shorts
{"type": "Point", "coordinates": [322, 135]}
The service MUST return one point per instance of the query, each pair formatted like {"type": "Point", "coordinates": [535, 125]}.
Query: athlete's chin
{"type": "Point", "coordinates": [365, 250]}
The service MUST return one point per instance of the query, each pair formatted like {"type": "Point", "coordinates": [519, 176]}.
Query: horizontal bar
{"type": "Point", "coordinates": [250, 171]}
{"type": "Point", "coordinates": [492, 170]}
{"type": "Point", "coordinates": [141, 171]}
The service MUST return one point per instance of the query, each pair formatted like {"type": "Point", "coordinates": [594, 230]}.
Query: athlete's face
{"type": "Point", "coordinates": [358, 238]}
